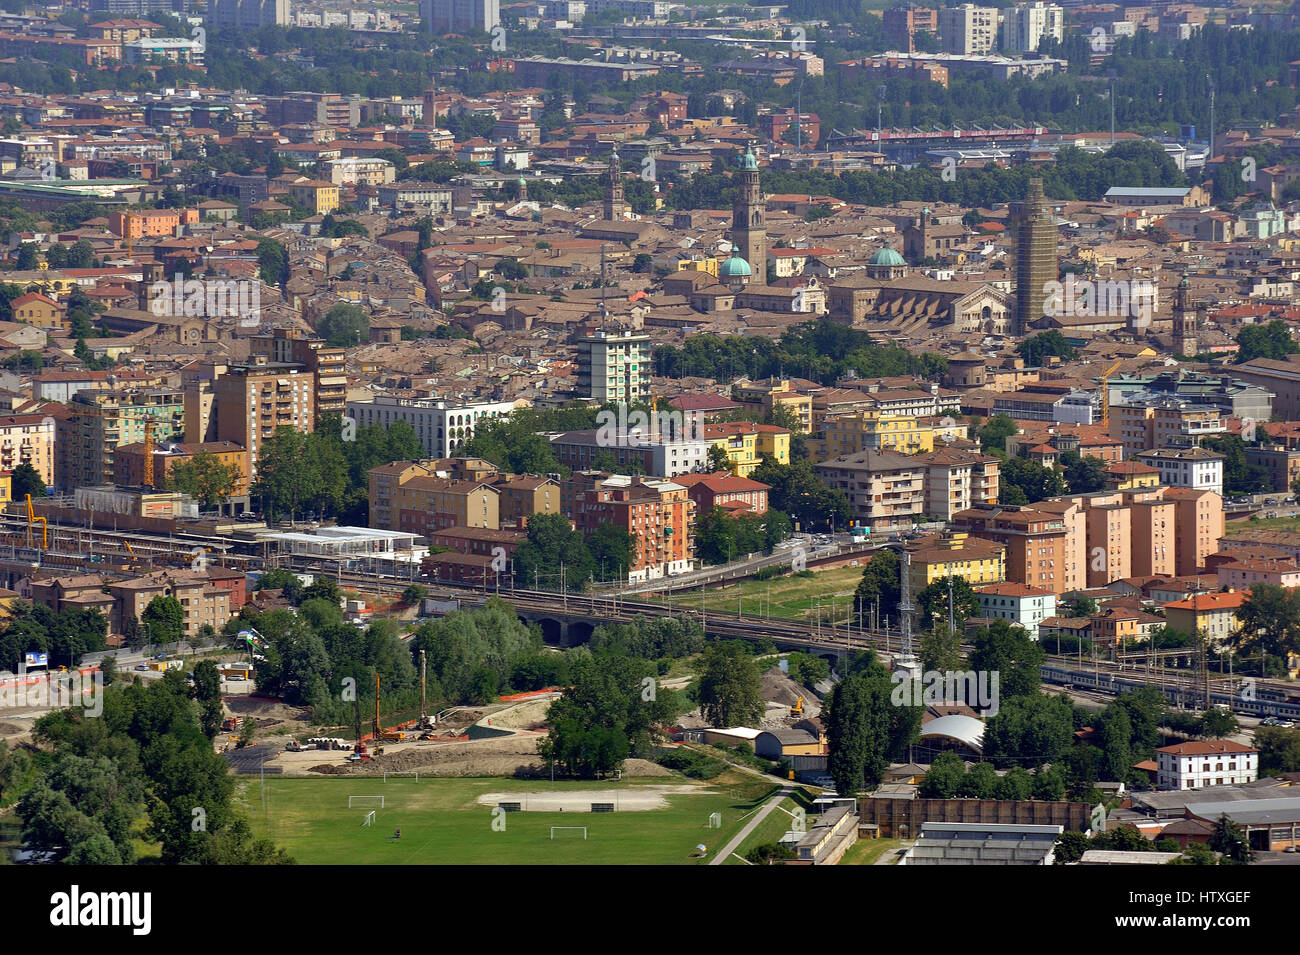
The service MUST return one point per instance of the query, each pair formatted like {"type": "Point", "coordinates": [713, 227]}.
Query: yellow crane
{"type": "Point", "coordinates": [1105, 394]}
{"type": "Point", "coordinates": [150, 423]}
{"type": "Point", "coordinates": [45, 526]}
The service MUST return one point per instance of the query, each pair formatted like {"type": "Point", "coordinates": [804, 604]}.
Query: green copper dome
{"type": "Point", "coordinates": [888, 257]}
{"type": "Point", "coordinates": [749, 162]}
{"type": "Point", "coordinates": [734, 268]}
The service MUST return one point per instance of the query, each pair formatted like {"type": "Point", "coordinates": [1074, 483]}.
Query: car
{"type": "Point", "coordinates": [142, 666]}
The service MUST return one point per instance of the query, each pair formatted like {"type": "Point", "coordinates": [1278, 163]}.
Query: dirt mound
{"type": "Point", "coordinates": [11, 729]}
{"type": "Point", "coordinates": [643, 767]}
{"type": "Point", "coordinates": [779, 688]}
{"type": "Point", "coordinates": [331, 769]}
{"type": "Point", "coordinates": [262, 708]}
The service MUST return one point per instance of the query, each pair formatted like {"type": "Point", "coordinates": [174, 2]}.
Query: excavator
{"type": "Point", "coordinates": [797, 709]}
{"type": "Point", "coordinates": [31, 521]}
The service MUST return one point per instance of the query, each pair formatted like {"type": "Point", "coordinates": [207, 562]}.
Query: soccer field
{"type": "Point", "coordinates": [442, 821]}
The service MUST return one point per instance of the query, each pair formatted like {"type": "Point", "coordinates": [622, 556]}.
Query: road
{"type": "Point", "coordinates": [725, 852]}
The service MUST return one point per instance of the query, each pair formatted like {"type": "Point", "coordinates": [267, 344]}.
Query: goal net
{"type": "Point", "coordinates": [369, 820]}
{"type": "Point", "coordinates": [354, 801]}
{"type": "Point", "coordinates": [568, 830]}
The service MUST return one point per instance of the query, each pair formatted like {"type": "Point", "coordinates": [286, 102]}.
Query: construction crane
{"type": "Point", "coordinates": [150, 423]}
{"type": "Point", "coordinates": [45, 526]}
{"type": "Point", "coordinates": [1105, 394]}
{"type": "Point", "coordinates": [382, 735]}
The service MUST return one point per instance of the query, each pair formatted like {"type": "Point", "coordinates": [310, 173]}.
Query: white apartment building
{"type": "Point", "coordinates": [968, 29]}
{"type": "Point", "coordinates": [614, 366]}
{"type": "Point", "coordinates": [457, 16]}
{"type": "Point", "coordinates": [1197, 468]}
{"type": "Point", "coordinates": [1024, 606]}
{"type": "Point", "coordinates": [1025, 25]}
{"type": "Point", "coordinates": [1205, 763]}
{"type": "Point", "coordinates": [358, 171]}
{"type": "Point", "coordinates": [442, 426]}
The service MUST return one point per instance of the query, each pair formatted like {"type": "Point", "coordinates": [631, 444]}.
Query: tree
{"type": "Point", "coordinates": [993, 435]}
{"type": "Point", "coordinates": [879, 588]}
{"type": "Point", "coordinates": [345, 324]}
{"type": "Point", "coordinates": [1116, 734]}
{"type": "Point", "coordinates": [1083, 475]}
{"type": "Point", "coordinates": [552, 547]}
{"type": "Point", "coordinates": [932, 602]}
{"type": "Point", "coordinates": [26, 260]}
{"type": "Point", "coordinates": [1044, 345]}
{"type": "Point", "coordinates": [1217, 724]}
{"type": "Point", "coordinates": [1269, 619]}
{"type": "Point", "coordinates": [1076, 604]}
{"type": "Point", "coordinates": [800, 493]}
{"type": "Point", "coordinates": [1008, 650]}
{"type": "Point", "coordinates": [164, 620]}
{"type": "Point", "coordinates": [206, 478]}
{"type": "Point", "coordinates": [272, 262]}
{"type": "Point", "coordinates": [1028, 730]}
{"type": "Point", "coordinates": [207, 691]}
{"type": "Point", "coordinates": [941, 649]}
{"type": "Point", "coordinates": [1279, 750]}
{"type": "Point", "coordinates": [1266, 341]}
{"type": "Point", "coordinates": [25, 480]}
{"type": "Point", "coordinates": [1229, 840]}
{"type": "Point", "coordinates": [717, 461]}
{"type": "Point", "coordinates": [730, 689]}
{"type": "Point", "coordinates": [864, 729]}
{"type": "Point", "coordinates": [1037, 481]}
{"type": "Point", "coordinates": [944, 778]}
{"type": "Point", "coordinates": [611, 548]}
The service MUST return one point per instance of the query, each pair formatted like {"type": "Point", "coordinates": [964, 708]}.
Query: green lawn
{"type": "Point", "coordinates": [1265, 524]}
{"type": "Point", "coordinates": [442, 823]}
{"type": "Point", "coordinates": [790, 597]}
{"type": "Point", "coordinates": [771, 829]}
{"type": "Point", "coordinates": [867, 851]}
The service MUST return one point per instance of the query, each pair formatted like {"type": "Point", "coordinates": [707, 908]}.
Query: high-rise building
{"type": "Point", "coordinates": [614, 366]}
{"type": "Point", "coordinates": [288, 346]}
{"type": "Point", "coordinates": [1026, 25]}
{"type": "Point", "coordinates": [251, 401]}
{"type": "Point", "coordinates": [748, 226]}
{"type": "Point", "coordinates": [968, 29]}
{"type": "Point", "coordinates": [616, 207]}
{"type": "Point", "coordinates": [248, 14]}
{"type": "Point", "coordinates": [457, 16]}
{"type": "Point", "coordinates": [1036, 232]}
{"type": "Point", "coordinates": [1184, 321]}
{"type": "Point", "coordinates": [140, 8]}
{"type": "Point", "coordinates": [102, 420]}
{"type": "Point", "coordinates": [902, 24]}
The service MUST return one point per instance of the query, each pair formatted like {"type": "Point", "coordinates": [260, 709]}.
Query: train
{"type": "Point", "coordinates": [1266, 701]}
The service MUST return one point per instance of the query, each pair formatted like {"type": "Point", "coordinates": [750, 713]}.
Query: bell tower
{"type": "Point", "coordinates": [616, 208]}
{"type": "Point", "coordinates": [1184, 321]}
{"type": "Point", "coordinates": [748, 222]}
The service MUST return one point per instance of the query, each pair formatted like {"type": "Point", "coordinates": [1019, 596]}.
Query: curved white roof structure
{"type": "Point", "coordinates": [964, 729]}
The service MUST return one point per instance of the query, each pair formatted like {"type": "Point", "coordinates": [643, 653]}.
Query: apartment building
{"type": "Point", "coordinates": [1204, 763]}
{"type": "Point", "coordinates": [1282, 465]}
{"type": "Point", "coordinates": [968, 29]}
{"type": "Point", "coordinates": [522, 496]}
{"type": "Point", "coordinates": [658, 454]}
{"type": "Point", "coordinates": [290, 346]}
{"type": "Point", "coordinates": [1214, 615]}
{"type": "Point", "coordinates": [415, 497]}
{"type": "Point", "coordinates": [1026, 25]}
{"type": "Point", "coordinates": [1247, 572]}
{"type": "Point", "coordinates": [129, 462]}
{"type": "Point", "coordinates": [97, 422]}
{"type": "Point", "coordinates": [884, 489]}
{"type": "Point", "coordinates": [737, 495]}
{"type": "Point", "coordinates": [1147, 422]}
{"type": "Point", "coordinates": [957, 480]}
{"type": "Point", "coordinates": [957, 554]}
{"type": "Point", "coordinates": [1014, 602]}
{"type": "Point", "coordinates": [615, 366]}
{"type": "Point", "coordinates": [1201, 522]}
{"type": "Point", "coordinates": [658, 514]}
{"type": "Point", "coordinates": [442, 425]}
{"type": "Point", "coordinates": [902, 24]}
{"type": "Point", "coordinates": [201, 601]}
{"type": "Point", "coordinates": [872, 431]}
{"type": "Point", "coordinates": [248, 14]}
{"type": "Point", "coordinates": [457, 16]}
{"type": "Point", "coordinates": [250, 402]}
{"type": "Point", "coordinates": [28, 439]}
{"type": "Point", "coordinates": [1195, 468]}
{"type": "Point", "coordinates": [745, 443]}
{"type": "Point", "coordinates": [1035, 542]}
{"type": "Point", "coordinates": [319, 196]}
{"type": "Point", "coordinates": [772, 393]}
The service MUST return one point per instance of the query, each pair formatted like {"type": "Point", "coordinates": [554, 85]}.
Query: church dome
{"type": "Point", "coordinates": [734, 268]}
{"type": "Point", "coordinates": [749, 162]}
{"type": "Point", "coordinates": [888, 258]}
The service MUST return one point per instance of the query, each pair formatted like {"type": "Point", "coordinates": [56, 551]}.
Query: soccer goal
{"type": "Point", "coordinates": [369, 820]}
{"type": "Point", "coordinates": [406, 773]}
{"type": "Point", "coordinates": [582, 829]}
{"type": "Point", "coordinates": [354, 801]}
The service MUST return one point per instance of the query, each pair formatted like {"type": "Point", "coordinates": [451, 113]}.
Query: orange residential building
{"type": "Point", "coordinates": [1035, 542]}
{"type": "Point", "coordinates": [39, 310]}
{"type": "Point", "coordinates": [1153, 520]}
{"type": "Point", "coordinates": [151, 223]}
{"type": "Point", "coordinates": [657, 513]}
{"type": "Point", "coordinates": [1200, 525]}
{"type": "Point", "coordinates": [128, 462]}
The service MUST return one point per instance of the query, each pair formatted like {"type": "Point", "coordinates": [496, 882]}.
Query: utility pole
{"type": "Point", "coordinates": [952, 626]}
